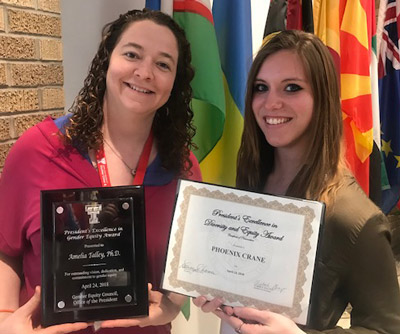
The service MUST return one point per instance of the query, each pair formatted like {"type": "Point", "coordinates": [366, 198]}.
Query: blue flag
{"type": "Point", "coordinates": [153, 4]}
{"type": "Point", "coordinates": [389, 99]}
{"type": "Point", "coordinates": [232, 21]}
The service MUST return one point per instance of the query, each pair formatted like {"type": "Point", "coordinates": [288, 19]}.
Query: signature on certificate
{"type": "Point", "coordinates": [268, 287]}
{"type": "Point", "coordinates": [199, 269]}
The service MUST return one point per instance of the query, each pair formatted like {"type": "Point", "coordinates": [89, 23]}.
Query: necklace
{"type": "Point", "coordinates": [132, 170]}
{"type": "Point", "coordinates": [140, 170]}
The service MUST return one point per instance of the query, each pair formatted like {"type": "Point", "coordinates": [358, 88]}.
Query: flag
{"type": "Point", "coordinates": [289, 14]}
{"type": "Point", "coordinates": [377, 171]}
{"type": "Point", "coordinates": [153, 4]}
{"type": "Point", "coordinates": [276, 18]}
{"type": "Point", "coordinates": [208, 102]}
{"type": "Point", "coordinates": [232, 20]}
{"type": "Point", "coordinates": [346, 27]}
{"type": "Point", "coordinates": [166, 6]}
{"type": "Point", "coordinates": [389, 97]}
{"type": "Point", "coordinates": [221, 55]}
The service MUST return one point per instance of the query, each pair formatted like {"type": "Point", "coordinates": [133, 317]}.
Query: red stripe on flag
{"type": "Point", "coordinates": [391, 46]}
{"type": "Point", "coordinates": [193, 6]}
{"type": "Point", "coordinates": [360, 170]}
{"type": "Point", "coordinates": [381, 69]}
{"type": "Point", "coordinates": [369, 8]}
{"type": "Point", "coordinates": [398, 25]}
{"type": "Point", "coordinates": [342, 7]}
{"type": "Point", "coordinates": [354, 56]}
{"type": "Point", "coordinates": [357, 109]}
{"type": "Point", "coordinates": [390, 13]}
{"type": "Point", "coordinates": [294, 15]}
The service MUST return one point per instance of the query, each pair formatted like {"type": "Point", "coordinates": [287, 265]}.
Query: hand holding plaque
{"type": "Point", "coordinates": [248, 248]}
{"type": "Point", "coordinates": [21, 320]}
{"type": "Point", "coordinates": [93, 254]}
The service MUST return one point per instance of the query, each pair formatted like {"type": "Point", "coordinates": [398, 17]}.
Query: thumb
{"type": "Point", "coordinates": [31, 305]}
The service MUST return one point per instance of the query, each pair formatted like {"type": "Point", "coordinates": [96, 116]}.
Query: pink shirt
{"type": "Point", "coordinates": [39, 160]}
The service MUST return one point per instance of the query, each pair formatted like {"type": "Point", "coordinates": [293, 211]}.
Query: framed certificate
{"type": "Point", "coordinates": [93, 254]}
{"type": "Point", "coordinates": [248, 248]}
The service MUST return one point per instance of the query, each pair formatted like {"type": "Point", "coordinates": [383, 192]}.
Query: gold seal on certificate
{"type": "Point", "coordinates": [251, 249]}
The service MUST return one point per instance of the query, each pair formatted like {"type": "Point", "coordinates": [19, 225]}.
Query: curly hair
{"type": "Point", "coordinates": [321, 174]}
{"type": "Point", "coordinates": [172, 125]}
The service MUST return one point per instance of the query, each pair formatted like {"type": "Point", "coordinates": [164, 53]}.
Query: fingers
{"type": "Point", "coordinates": [199, 301]}
{"type": "Point", "coordinates": [212, 305]}
{"type": "Point", "coordinates": [223, 316]}
{"type": "Point", "coordinates": [64, 328]}
{"type": "Point", "coordinates": [121, 323]}
{"type": "Point", "coordinates": [252, 314]}
{"type": "Point", "coordinates": [208, 306]}
{"type": "Point", "coordinates": [227, 309]}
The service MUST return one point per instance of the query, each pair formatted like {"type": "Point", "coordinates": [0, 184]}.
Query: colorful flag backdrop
{"type": "Point", "coordinates": [208, 102]}
{"type": "Point", "coordinates": [389, 96]}
{"type": "Point", "coordinates": [218, 99]}
{"type": "Point", "coordinates": [346, 27]}
{"type": "Point", "coordinates": [377, 171]}
{"type": "Point", "coordinates": [232, 20]}
{"type": "Point", "coordinates": [221, 56]}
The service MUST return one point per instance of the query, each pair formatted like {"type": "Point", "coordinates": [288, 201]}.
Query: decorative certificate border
{"type": "Point", "coordinates": [308, 214]}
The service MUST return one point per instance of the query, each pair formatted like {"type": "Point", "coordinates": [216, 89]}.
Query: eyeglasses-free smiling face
{"type": "Point", "coordinates": [142, 68]}
{"type": "Point", "coordinates": [283, 101]}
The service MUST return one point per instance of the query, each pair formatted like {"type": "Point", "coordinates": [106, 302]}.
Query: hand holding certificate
{"type": "Point", "coordinates": [249, 249]}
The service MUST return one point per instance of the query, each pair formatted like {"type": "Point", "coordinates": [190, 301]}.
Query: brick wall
{"type": "Point", "coordinates": [31, 72]}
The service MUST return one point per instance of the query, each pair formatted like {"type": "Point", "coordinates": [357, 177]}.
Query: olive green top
{"type": "Point", "coordinates": [355, 265]}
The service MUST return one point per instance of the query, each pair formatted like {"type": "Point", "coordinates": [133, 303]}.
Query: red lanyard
{"type": "Point", "coordinates": [141, 169]}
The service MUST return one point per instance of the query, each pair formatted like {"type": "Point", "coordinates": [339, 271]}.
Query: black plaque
{"type": "Point", "coordinates": [93, 254]}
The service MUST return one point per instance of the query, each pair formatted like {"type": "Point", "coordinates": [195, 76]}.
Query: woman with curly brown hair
{"type": "Point", "coordinates": [130, 124]}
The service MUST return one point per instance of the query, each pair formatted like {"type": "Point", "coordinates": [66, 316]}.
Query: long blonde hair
{"type": "Point", "coordinates": [321, 175]}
